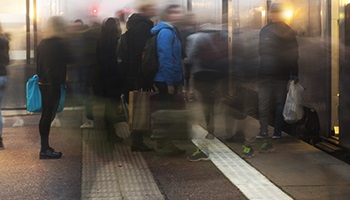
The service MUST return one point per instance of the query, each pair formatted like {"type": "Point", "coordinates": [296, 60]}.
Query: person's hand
{"type": "Point", "coordinates": [171, 89]}
{"type": "Point", "coordinates": [296, 80]}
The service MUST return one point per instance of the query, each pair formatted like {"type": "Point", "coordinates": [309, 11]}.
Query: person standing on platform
{"type": "Point", "coordinates": [169, 77]}
{"type": "Point", "coordinates": [4, 61]}
{"type": "Point", "coordinates": [139, 27]}
{"type": "Point", "coordinates": [53, 55]}
{"type": "Point", "coordinates": [278, 51]}
{"type": "Point", "coordinates": [207, 52]}
{"type": "Point", "coordinates": [109, 76]}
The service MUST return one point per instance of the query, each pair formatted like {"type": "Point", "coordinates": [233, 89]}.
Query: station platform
{"type": "Point", "coordinates": [92, 168]}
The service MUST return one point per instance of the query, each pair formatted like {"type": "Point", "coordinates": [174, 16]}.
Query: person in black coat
{"type": "Point", "coordinates": [4, 61]}
{"type": "Point", "coordinates": [52, 59]}
{"type": "Point", "coordinates": [109, 76]}
{"type": "Point", "coordinates": [278, 51]}
{"type": "Point", "coordinates": [138, 32]}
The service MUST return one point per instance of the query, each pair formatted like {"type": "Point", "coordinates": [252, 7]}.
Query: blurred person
{"type": "Point", "coordinates": [53, 55]}
{"type": "Point", "coordinates": [168, 78]}
{"type": "Point", "coordinates": [207, 51]}
{"type": "Point", "coordinates": [109, 76]}
{"type": "Point", "coordinates": [90, 38]}
{"type": "Point", "coordinates": [139, 27]}
{"type": "Point", "coordinates": [278, 51]}
{"type": "Point", "coordinates": [188, 27]}
{"type": "Point", "coordinates": [4, 61]}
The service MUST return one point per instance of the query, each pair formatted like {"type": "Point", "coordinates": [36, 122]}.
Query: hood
{"type": "Point", "coordinates": [137, 18]}
{"type": "Point", "coordinates": [161, 25]}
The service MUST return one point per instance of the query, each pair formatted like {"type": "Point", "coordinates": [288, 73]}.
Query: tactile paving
{"type": "Point", "coordinates": [250, 181]}
{"type": "Point", "coordinates": [112, 171]}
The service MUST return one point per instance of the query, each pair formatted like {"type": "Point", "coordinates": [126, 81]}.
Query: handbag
{"type": "Point", "coordinates": [33, 95]}
{"type": "Point", "coordinates": [139, 111]}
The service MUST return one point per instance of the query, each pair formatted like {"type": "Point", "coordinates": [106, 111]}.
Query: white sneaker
{"type": "Point", "coordinates": [88, 124]}
{"type": "Point", "coordinates": [56, 123]}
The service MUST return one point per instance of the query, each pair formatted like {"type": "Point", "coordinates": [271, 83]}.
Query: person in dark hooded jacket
{"type": "Point", "coordinates": [278, 50]}
{"type": "Point", "coordinates": [108, 73]}
{"type": "Point", "coordinates": [138, 32]}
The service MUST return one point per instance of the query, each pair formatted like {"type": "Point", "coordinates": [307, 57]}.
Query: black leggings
{"type": "Point", "coordinates": [50, 96]}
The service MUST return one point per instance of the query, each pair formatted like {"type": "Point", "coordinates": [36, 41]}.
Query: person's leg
{"type": "Point", "coordinates": [280, 92]}
{"type": "Point", "coordinates": [206, 91]}
{"type": "Point", "coordinates": [165, 146]}
{"type": "Point", "coordinates": [264, 94]}
{"type": "Point", "coordinates": [50, 96]}
{"type": "Point", "coordinates": [110, 120]}
{"type": "Point", "coordinates": [3, 83]}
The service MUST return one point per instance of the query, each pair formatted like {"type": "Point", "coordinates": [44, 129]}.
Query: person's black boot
{"type": "Point", "coordinates": [1, 143]}
{"type": "Point", "coordinates": [50, 153]}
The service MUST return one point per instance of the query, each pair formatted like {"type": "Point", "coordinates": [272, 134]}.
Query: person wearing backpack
{"type": "Point", "coordinates": [168, 78]}
{"type": "Point", "coordinates": [131, 47]}
{"type": "Point", "coordinates": [207, 51]}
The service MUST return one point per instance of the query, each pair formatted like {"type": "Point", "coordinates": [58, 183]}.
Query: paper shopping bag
{"type": "Point", "coordinates": [139, 111]}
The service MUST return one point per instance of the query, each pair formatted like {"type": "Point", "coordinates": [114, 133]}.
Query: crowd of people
{"type": "Point", "coordinates": [189, 55]}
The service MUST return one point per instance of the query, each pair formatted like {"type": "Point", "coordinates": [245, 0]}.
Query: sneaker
{"type": "Point", "coordinates": [1, 143]}
{"type": "Point", "coordinates": [50, 153]}
{"type": "Point", "coordinates": [198, 155]}
{"type": "Point", "coordinates": [276, 135]}
{"type": "Point", "coordinates": [88, 124]}
{"type": "Point", "coordinates": [56, 123]}
{"type": "Point", "coordinates": [141, 148]}
{"type": "Point", "coordinates": [248, 152]}
{"type": "Point", "coordinates": [210, 136]}
{"type": "Point", "coordinates": [266, 147]}
{"type": "Point", "coordinates": [261, 135]}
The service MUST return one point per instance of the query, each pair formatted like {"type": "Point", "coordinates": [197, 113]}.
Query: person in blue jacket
{"type": "Point", "coordinates": [169, 75]}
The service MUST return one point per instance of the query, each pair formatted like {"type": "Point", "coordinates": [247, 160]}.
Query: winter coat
{"type": "Point", "coordinates": [53, 55]}
{"type": "Point", "coordinates": [4, 54]}
{"type": "Point", "coordinates": [169, 54]}
{"type": "Point", "coordinates": [278, 50]}
{"type": "Point", "coordinates": [109, 82]}
{"type": "Point", "coordinates": [138, 32]}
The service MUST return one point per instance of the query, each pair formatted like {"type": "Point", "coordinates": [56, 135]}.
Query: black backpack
{"type": "Point", "coordinates": [150, 64]}
{"type": "Point", "coordinates": [308, 128]}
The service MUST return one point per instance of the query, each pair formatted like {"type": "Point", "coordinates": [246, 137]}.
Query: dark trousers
{"type": "Point", "coordinates": [272, 95]}
{"type": "Point", "coordinates": [207, 96]}
{"type": "Point", "coordinates": [50, 96]}
{"type": "Point", "coordinates": [110, 116]}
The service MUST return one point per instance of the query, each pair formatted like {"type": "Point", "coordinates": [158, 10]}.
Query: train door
{"type": "Point", "coordinates": [344, 75]}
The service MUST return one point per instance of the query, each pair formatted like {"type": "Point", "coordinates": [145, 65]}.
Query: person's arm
{"type": "Point", "coordinates": [165, 55]}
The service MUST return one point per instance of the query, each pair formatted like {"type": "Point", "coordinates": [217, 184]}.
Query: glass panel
{"type": "Point", "coordinates": [13, 20]}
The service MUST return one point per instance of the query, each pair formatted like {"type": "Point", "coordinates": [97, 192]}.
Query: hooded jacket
{"type": "Point", "coordinates": [278, 50]}
{"type": "Point", "coordinates": [139, 31]}
{"type": "Point", "coordinates": [169, 54]}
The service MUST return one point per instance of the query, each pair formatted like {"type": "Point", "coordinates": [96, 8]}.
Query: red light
{"type": "Point", "coordinates": [94, 11]}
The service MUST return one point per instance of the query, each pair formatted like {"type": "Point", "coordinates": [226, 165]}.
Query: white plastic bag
{"type": "Point", "coordinates": [293, 108]}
